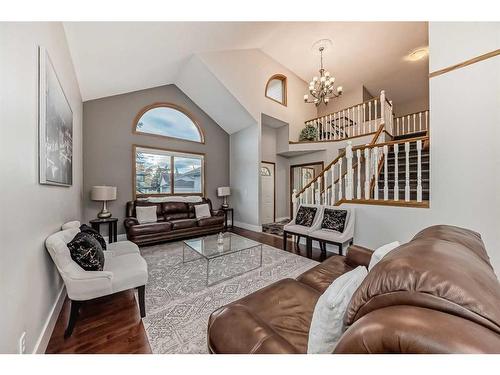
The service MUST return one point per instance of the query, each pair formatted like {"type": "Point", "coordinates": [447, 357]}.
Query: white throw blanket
{"type": "Point", "coordinates": [186, 199]}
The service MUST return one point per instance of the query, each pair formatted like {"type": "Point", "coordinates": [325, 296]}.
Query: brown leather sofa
{"type": "Point", "coordinates": [175, 220]}
{"type": "Point", "coordinates": [435, 294]}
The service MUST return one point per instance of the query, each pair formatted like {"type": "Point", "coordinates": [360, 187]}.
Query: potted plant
{"type": "Point", "coordinates": [309, 133]}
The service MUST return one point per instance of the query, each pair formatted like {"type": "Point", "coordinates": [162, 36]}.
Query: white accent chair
{"type": "Point", "coordinates": [328, 236]}
{"type": "Point", "coordinates": [124, 268]}
{"type": "Point", "coordinates": [301, 230]}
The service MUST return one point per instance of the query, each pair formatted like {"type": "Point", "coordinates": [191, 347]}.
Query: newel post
{"type": "Point", "coordinates": [350, 177]}
{"type": "Point", "coordinates": [294, 202]}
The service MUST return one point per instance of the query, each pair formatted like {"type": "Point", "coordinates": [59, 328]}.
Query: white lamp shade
{"type": "Point", "coordinates": [103, 193]}
{"type": "Point", "coordinates": [223, 191]}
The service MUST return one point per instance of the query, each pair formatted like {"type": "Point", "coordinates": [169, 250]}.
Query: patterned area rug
{"type": "Point", "coordinates": [275, 228]}
{"type": "Point", "coordinates": [178, 302]}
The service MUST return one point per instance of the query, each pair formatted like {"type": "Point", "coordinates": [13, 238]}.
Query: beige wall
{"type": "Point", "coordinates": [108, 140]}
{"type": "Point", "coordinates": [29, 282]}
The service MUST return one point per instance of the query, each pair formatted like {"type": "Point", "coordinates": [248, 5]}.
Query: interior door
{"type": "Point", "coordinates": [267, 173]}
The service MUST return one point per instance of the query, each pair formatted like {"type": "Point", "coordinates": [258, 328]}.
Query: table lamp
{"type": "Point", "coordinates": [104, 194]}
{"type": "Point", "coordinates": [224, 191]}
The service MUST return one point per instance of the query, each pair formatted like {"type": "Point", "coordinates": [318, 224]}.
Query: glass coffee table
{"type": "Point", "coordinates": [235, 256]}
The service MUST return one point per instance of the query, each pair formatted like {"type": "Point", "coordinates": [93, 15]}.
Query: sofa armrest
{"type": "Point", "coordinates": [235, 330]}
{"type": "Point", "coordinates": [130, 221]}
{"type": "Point", "coordinates": [358, 256]}
{"type": "Point", "coordinates": [217, 213]}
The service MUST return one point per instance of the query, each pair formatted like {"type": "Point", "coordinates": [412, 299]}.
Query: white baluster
{"type": "Point", "coordinates": [407, 171]}
{"type": "Point", "coordinates": [367, 173]}
{"type": "Point", "coordinates": [332, 171]}
{"type": "Point", "coordinates": [427, 120]}
{"type": "Point", "coordinates": [364, 118]}
{"type": "Point", "coordinates": [382, 106]}
{"type": "Point", "coordinates": [358, 188]}
{"type": "Point", "coordinates": [396, 173]}
{"type": "Point", "coordinates": [319, 191]}
{"type": "Point", "coordinates": [343, 125]}
{"type": "Point", "coordinates": [340, 178]}
{"type": "Point", "coordinates": [375, 171]}
{"type": "Point", "coordinates": [350, 172]}
{"type": "Point", "coordinates": [330, 127]}
{"type": "Point", "coordinates": [420, 121]}
{"type": "Point", "coordinates": [414, 122]}
{"type": "Point", "coordinates": [376, 108]}
{"type": "Point", "coordinates": [370, 116]}
{"type": "Point", "coordinates": [386, 184]}
{"type": "Point", "coordinates": [419, 171]}
{"type": "Point", "coordinates": [397, 127]}
{"type": "Point", "coordinates": [294, 202]}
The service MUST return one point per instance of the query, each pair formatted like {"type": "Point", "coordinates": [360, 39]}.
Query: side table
{"type": "Point", "coordinates": [112, 225]}
{"type": "Point", "coordinates": [226, 214]}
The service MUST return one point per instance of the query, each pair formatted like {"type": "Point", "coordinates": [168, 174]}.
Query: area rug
{"type": "Point", "coordinates": [275, 228]}
{"type": "Point", "coordinates": [178, 302]}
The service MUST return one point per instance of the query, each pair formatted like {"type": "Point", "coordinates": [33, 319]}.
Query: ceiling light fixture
{"type": "Point", "coordinates": [321, 88]}
{"type": "Point", "coordinates": [418, 54]}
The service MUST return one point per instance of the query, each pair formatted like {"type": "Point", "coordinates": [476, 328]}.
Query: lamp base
{"type": "Point", "coordinates": [104, 213]}
{"type": "Point", "coordinates": [225, 205]}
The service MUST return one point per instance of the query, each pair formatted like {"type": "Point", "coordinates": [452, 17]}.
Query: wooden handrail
{"type": "Point", "coordinates": [377, 134]}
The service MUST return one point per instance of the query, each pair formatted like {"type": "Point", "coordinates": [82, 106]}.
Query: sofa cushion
{"type": "Point", "coordinates": [175, 210]}
{"type": "Point", "coordinates": [129, 271]}
{"type": "Point", "coordinates": [86, 251]}
{"type": "Point", "coordinates": [202, 211]}
{"type": "Point", "coordinates": [327, 325]}
{"type": "Point", "coordinates": [381, 252]}
{"type": "Point", "coordinates": [142, 203]}
{"type": "Point", "coordinates": [150, 228]}
{"type": "Point", "coordinates": [209, 221]}
{"type": "Point", "coordinates": [305, 216]}
{"type": "Point", "coordinates": [321, 276]}
{"type": "Point", "coordinates": [84, 228]}
{"type": "Point", "coordinates": [183, 223]}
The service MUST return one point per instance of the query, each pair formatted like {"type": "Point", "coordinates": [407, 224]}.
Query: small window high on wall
{"type": "Point", "coordinates": [167, 120]}
{"type": "Point", "coordinates": [276, 88]}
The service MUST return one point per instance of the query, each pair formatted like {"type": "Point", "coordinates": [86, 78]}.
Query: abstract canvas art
{"type": "Point", "coordinates": [55, 127]}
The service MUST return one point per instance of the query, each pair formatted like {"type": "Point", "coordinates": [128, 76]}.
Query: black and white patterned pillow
{"type": "Point", "coordinates": [84, 228]}
{"type": "Point", "coordinates": [305, 216]}
{"type": "Point", "coordinates": [334, 220]}
{"type": "Point", "coordinates": [86, 251]}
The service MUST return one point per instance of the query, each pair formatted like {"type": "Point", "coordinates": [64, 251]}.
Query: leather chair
{"type": "Point", "coordinates": [175, 220]}
{"type": "Point", "coordinates": [124, 268]}
{"type": "Point", "coordinates": [437, 293]}
{"type": "Point", "coordinates": [327, 236]}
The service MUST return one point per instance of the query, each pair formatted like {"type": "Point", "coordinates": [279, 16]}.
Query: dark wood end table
{"type": "Point", "coordinates": [112, 225]}
{"type": "Point", "coordinates": [226, 212]}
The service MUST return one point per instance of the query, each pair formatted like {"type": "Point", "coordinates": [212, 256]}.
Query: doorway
{"type": "Point", "coordinates": [268, 189]}
{"type": "Point", "coordinates": [301, 175]}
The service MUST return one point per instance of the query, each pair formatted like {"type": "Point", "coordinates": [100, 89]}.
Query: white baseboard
{"type": "Point", "coordinates": [255, 228]}
{"type": "Point", "coordinates": [43, 340]}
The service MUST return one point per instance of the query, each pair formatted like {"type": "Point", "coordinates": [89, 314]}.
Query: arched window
{"type": "Point", "coordinates": [264, 171]}
{"type": "Point", "coordinates": [167, 120]}
{"type": "Point", "coordinates": [276, 88]}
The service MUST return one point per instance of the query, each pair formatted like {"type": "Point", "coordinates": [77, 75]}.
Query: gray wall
{"type": "Point", "coordinates": [108, 140]}
{"type": "Point", "coordinates": [29, 282]}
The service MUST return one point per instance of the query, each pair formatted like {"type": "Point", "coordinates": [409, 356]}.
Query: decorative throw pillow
{"type": "Point", "coordinates": [86, 251]}
{"type": "Point", "coordinates": [334, 219]}
{"type": "Point", "coordinates": [381, 252]}
{"type": "Point", "coordinates": [305, 216]}
{"type": "Point", "coordinates": [146, 214]}
{"type": "Point", "coordinates": [84, 228]}
{"type": "Point", "coordinates": [327, 325]}
{"type": "Point", "coordinates": [202, 211]}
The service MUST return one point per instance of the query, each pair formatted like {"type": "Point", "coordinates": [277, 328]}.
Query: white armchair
{"type": "Point", "coordinates": [124, 268]}
{"type": "Point", "coordinates": [301, 230]}
{"type": "Point", "coordinates": [339, 239]}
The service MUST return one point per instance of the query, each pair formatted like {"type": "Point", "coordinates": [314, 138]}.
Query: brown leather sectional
{"type": "Point", "coordinates": [435, 294]}
{"type": "Point", "coordinates": [175, 220]}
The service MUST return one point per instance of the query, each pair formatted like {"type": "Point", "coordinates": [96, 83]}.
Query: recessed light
{"type": "Point", "coordinates": [418, 54]}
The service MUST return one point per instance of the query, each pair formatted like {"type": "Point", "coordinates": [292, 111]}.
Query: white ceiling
{"type": "Point", "coordinates": [116, 57]}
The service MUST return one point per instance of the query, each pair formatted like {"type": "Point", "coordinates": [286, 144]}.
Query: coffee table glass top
{"type": "Point", "coordinates": [209, 248]}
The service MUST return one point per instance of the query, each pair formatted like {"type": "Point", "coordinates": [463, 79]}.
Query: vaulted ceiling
{"type": "Point", "coordinates": [116, 57]}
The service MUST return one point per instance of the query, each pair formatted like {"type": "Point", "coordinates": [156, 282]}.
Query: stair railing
{"type": "Point", "coordinates": [355, 121]}
{"type": "Point", "coordinates": [412, 123]}
{"type": "Point", "coordinates": [353, 176]}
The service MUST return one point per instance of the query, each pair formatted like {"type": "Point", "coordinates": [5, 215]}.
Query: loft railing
{"type": "Point", "coordinates": [412, 123]}
{"type": "Point", "coordinates": [358, 120]}
{"type": "Point", "coordinates": [353, 177]}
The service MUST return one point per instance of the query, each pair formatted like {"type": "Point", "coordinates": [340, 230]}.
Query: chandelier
{"type": "Point", "coordinates": [321, 88]}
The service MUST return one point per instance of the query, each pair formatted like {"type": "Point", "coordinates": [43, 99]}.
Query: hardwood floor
{"type": "Point", "coordinates": [112, 324]}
